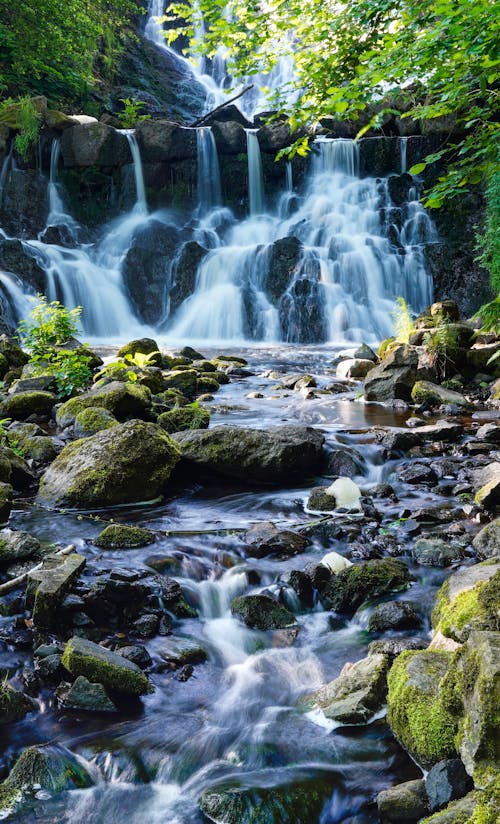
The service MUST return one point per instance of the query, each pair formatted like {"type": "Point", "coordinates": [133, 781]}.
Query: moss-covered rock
{"type": "Point", "coordinates": [83, 695]}
{"type": "Point", "coordinates": [171, 398]}
{"type": "Point", "coordinates": [415, 709]}
{"type": "Point", "coordinates": [467, 601]}
{"type": "Point", "coordinates": [6, 493]}
{"type": "Point", "coordinates": [185, 380]}
{"type": "Point", "coordinates": [100, 665]}
{"type": "Point", "coordinates": [12, 352]}
{"type": "Point", "coordinates": [403, 804]}
{"type": "Point", "coordinates": [189, 417]}
{"type": "Point", "coordinates": [357, 693]}
{"type": "Point", "coordinates": [48, 585]}
{"type": "Point", "coordinates": [123, 400]}
{"type": "Point", "coordinates": [93, 419]}
{"type": "Point", "coordinates": [477, 807]}
{"type": "Point", "coordinates": [487, 541]}
{"type": "Point", "coordinates": [39, 448]}
{"type": "Point", "coordinates": [17, 546]}
{"type": "Point", "coordinates": [23, 404]}
{"type": "Point", "coordinates": [120, 536]}
{"type": "Point", "coordinates": [346, 591]}
{"type": "Point", "coordinates": [142, 346]}
{"type": "Point", "coordinates": [262, 612]}
{"type": "Point", "coordinates": [130, 462]}
{"type": "Point", "coordinates": [48, 767]}
{"type": "Point", "coordinates": [207, 383]}
{"type": "Point", "coordinates": [13, 704]}
{"type": "Point", "coordinates": [435, 395]}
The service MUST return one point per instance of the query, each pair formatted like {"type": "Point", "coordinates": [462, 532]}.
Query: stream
{"type": "Point", "coordinates": [236, 718]}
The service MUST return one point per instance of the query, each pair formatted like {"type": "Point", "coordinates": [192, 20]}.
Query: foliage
{"type": "Point", "coordinates": [403, 323]}
{"type": "Point", "coordinates": [489, 241]}
{"type": "Point", "coordinates": [140, 360]}
{"type": "Point", "coordinates": [440, 58]}
{"type": "Point", "coordinates": [131, 114]}
{"type": "Point", "coordinates": [70, 368]}
{"type": "Point", "coordinates": [60, 48]}
{"type": "Point", "coordinates": [4, 440]}
{"type": "Point", "coordinates": [29, 124]}
{"type": "Point", "coordinates": [489, 315]}
{"type": "Point", "coordinates": [441, 344]}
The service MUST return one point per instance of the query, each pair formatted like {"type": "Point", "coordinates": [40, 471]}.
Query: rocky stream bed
{"type": "Point", "coordinates": [288, 616]}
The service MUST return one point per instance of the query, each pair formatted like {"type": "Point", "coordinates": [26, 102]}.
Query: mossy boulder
{"type": "Point", "coordinates": [49, 584]}
{"type": "Point", "coordinates": [129, 463]}
{"type": "Point", "coordinates": [123, 400]}
{"type": "Point", "coordinates": [357, 693]}
{"type": "Point", "coordinates": [358, 583]}
{"type": "Point", "coordinates": [6, 497]}
{"type": "Point", "coordinates": [13, 704]}
{"type": "Point", "coordinates": [262, 612]}
{"type": "Point", "coordinates": [171, 398]}
{"type": "Point", "coordinates": [23, 404]}
{"type": "Point", "coordinates": [100, 665]}
{"type": "Point", "coordinates": [435, 395]}
{"type": "Point", "coordinates": [120, 536]}
{"type": "Point", "coordinates": [468, 600]}
{"type": "Point", "coordinates": [415, 709]}
{"type": "Point", "coordinates": [185, 380]}
{"type": "Point", "coordinates": [83, 695]}
{"type": "Point", "coordinates": [17, 546]}
{"type": "Point", "coordinates": [91, 420]}
{"type": "Point", "coordinates": [207, 383]}
{"type": "Point", "coordinates": [142, 346]}
{"type": "Point", "coordinates": [487, 541]}
{"type": "Point", "coordinates": [37, 447]}
{"type": "Point", "coordinates": [189, 417]}
{"type": "Point", "coordinates": [14, 469]}
{"type": "Point", "coordinates": [276, 455]}
{"type": "Point", "coordinates": [403, 804]}
{"type": "Point", "coordinates": [12, 352]}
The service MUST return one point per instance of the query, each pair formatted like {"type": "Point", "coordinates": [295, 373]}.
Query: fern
{"type": "Point", "coordinates": [489, 316]}
{"type": "Point", "coordinates": [403, 323]}
{"type": "Point", "coordinates": [442, 346]}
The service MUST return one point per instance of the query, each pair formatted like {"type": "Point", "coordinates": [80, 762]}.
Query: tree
{"type": "Point", "coordinates": [441, 56]}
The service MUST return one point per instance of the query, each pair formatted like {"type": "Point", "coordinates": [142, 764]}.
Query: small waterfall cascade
{"type": "Point", "coordinates": [57, 214]}
{"type": "Point", "coordinates": [140, 189]}
{"type": "Point", "coordinates": [209, 188]}
{"type": "Point", "coordinates": [403, 145]}
{"type": "Point", "coordinates": [255, 174]}
{"type": "Point", "coordinates": [4, 171]}
{"type": "Point", "coordinates": [16, 301]}
{"type": "Point", "coordinates": [289, 177]}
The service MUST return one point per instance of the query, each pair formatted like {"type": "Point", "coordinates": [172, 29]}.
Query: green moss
{"type": "Point", "coordinates": [190, 417]}
{"type": "Point", "coordinates": [346, 591]}
{"type": "Point", "coordinates": [183, 380]}
{"type": "Point", "coordinates": [100, 666]}
{"type": "Point", "coordinates": [123, 400]}
{"type": "Point", "coordinates": [23, 404]}
{"type": "Point", "coordinates": [92, 420]}
{"type": "Point", "coordinates": [207, 383]}
{"type": "Point", "coordinates": [123, 537]}
{"type": "Point", "coordinates": [13, 705]}
{"type": "Point", "coordinates": [416, 713]}
{"type": "Point", "coordinates": [475, 608]}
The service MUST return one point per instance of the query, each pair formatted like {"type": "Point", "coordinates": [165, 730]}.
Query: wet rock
{"type": "Point", "coordinates": [365, 352]}
{"type": "Point", "coordinates": [286, 253]}
{"type": "Point", "coordinates": [415, 710]}
{"type": "Point", "coordinates": [83, 695]}
{"type": "Point", "coordinates": [13, 704]}
{"type": "Point", "coordinates": [100, 665]}
{"type": "Point", "coordinates": [137, 654]}
{"type": "Point", "coordinates": [459, 811]}
{"type": "Point", "coordinates": [147, 626]}
{"type": "Point", "coordinates": [487, 483]}
{"type": "Point", "coordinates": [487, 541]}
{"type": "Point", "coordinates": [320, 500]}
{"type": "Point", "coordinates": [346, 591]}
{"type": "Point", "coordinates": [185, 380]}
{"type": "Point", "coordinates": [403, 803]}
{"type": "Point", "coordinates": [121, 536]}
{"type": "Point", "coordinates": [123, 400]}
{"type": "Point", "coordinates": [402, 439]}
{"type": "Point", "coordinates": [94, 144]}
{"type": "Point", "coordinates": [266, 539]}
{"type": "Point", "coordinates": [261, 612]}
{"type": "Point", "coordinates": [181, 651]}
{"type": "Point", "coordinates": [48, 669]}
{"type": "Point", "coordinates": [147, 260]}
{"type": "Point", "coordinates": [395, 646]}
{"type": "Point", "coordinates": [354, 368]}
{"type": "Point", "coordinates": [6, 493]}
{"type": "Point", "coordinates": [161, 141]}
{"type": "Point", "coordinates": [302, 586]}
{"type": "Point", "coordinates": [467, 601]}
{"type": "Point", "coordinates": [417, 473]}
{"type": "Point", "coordinates": [16, 546]}
{"type": "Point", "coordinates": [178, 420]}
{"type": "Point", "coordinates": [393, 615]}
{"type": "Point", "coordinates": [436, 552]}
{"type": "Point", "coordinates": [394, 377]}
{"type": "Point", "coordinates": [130, 462]}
{"type": "Point", "coordinates": [425, 392]}
{"type": "Point", "coordinates": [252, 455]}
{"type": "Point", "coordinates": [489, 432]}
{"type": "Point", "coordinates": [356, 694]}
{"type": "Point", "coordinates": [23, 404]}
{"type": "Point", "coordinates": [92, 420]}
{"type": "Point", "coordinates": [47, 586]}
{"type": "Point", "coordinates": [344, 462]}
{"type": "Point", "coordinates": [335, 562]}
{"type": "Point", "coordinates": [445, 782]}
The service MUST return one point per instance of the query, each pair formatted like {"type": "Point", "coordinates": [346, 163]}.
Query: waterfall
{"type": "Point", "coordinates": [209, 190]}
{"type": "Point", "coordinates": [255, 175]}
{"type": "Point", "coordinates": [5, 170]}
{"type": "Point", "coordinates": [18, 303]}
{"type": "Point", "coordinates": [403, 143]}
{"type": "Point", "coordinates": [140, 189]}
{"type": "Point", "coordinates": [289, 177]}
{"type": "Point", "coordinates": [57, 214]}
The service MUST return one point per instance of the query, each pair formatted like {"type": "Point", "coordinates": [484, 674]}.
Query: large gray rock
{"type": "Point", "coordinates": [83, 695]}
{"type": "Point", "coordinates": [100, 665]}
{"type": "Point", "coordinates": [17, 546]}
{"type": "Point", "coordinates": [48, 586]}
{"type": "Point", "coordinates": [346, 591]}
{"type": "Point", "coordinates": [357, 693]}
{"type": "Point", "coordinates": [184, 273]}
{"type": "Point", "coordinates": [145, 266]}
{"type": "Point", "coordinates": [254, 455]}
{"type": "Point", "coordinates": [436, 552]}
{"type": "Point", "coordinates": [230, 138]}
{"type": "Point", "coordinates": [94, 144]}
{"type": "Point", "coordinates": [163, 142]}
{"type": "Point", "coordinates": [262, 612]}
{"type": "Point", "coordinates": [285, 255]}
{"type": "Point", "coordinates": [445, 782]}
{"type": "Point", "coordinates": [403, 803]}
{"type": "Point", "coordinates": [395, 377]}
{"type": "Point", "coordinates": [487, 541]}
{"type": "Point", "coordinates": [128, 463]}
{"type": "Point", "coordinates": [16, 258]}
{"type": "Point", "coordinates": [393, 615]}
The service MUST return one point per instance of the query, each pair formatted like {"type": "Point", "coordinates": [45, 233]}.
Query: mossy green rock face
{"type": "Point", "coordinates": [100, 665]}
{"type": "Point", "coordinates": [48, 586]}
{"type": "Point", "coordinates": [262, 612]}
{"type": "Point", "coordinates": [477, 807]}
{"type": "Point", "coordinates": [300, 803]}
{"type": "Point", "coordinates": [184, 380]}
{"type": "Point", "coordinates": [487, 541]}
{"type": "Point", "coordinates": [415, 709]}
{"type": "Point", "coordinates": [141, 346]}
{"type": "Point", "coordinates": [435, 395]}
{"type": "Point", "coordinates": [189, 417]}
{"type": "Point", "coordinates": [346, 591]}
{"type": "Point", "coordinates": [14, 705]}
{"type": "Point", "coordinates": [23, 404]}
{"type": "Point", "coordinates": [356, 694]}
{"type": "Point", "coordinates": [54, 768]}
{"type": "Point", "coordinates": [254, 455]}
{"type": "Point", "coordinates": [130, 462]}
{"type": "Point", "coordinates": [83, 695]}
{"type": "Point", "coordinates": [207, 383]}
{"type": "Point", "coordinates": [12, 352]}
{"type": "Point", "coordinates": [123, 400]}
{"type": "Point", "coordinates": [6, 493]}
{"type": "Point", "coordinates": [468, 600]}
{"type": "Point", "coordinates": [92, 420]}
{"type": "Point", "coordinates": [120, 536]}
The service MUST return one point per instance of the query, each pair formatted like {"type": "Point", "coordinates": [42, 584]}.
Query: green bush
{"type": "Point", "coordinates": [489, 241]}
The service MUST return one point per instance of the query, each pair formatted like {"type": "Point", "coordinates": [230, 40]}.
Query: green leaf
{"type": "Point", "coordinates": [418, 168]}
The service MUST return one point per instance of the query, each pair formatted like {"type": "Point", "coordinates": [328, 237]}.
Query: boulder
{"type": "Point", "coordinates": [17, 546]}
{"type": "Point", "coordinates": [262, 612]}
{"type": "Point", "coordinates": [415, 709]}
{"type": "Point", "coordinates": [354, 368]}
{"type": "Point", "coordinates": [145, 264]}
{"type": "Point", "coordinates": [141, 346]}
{"type": "Point", "coordinates": [358, 583]}
{"type": "Point", "coordinates": [393, 615]}
{"type": "Point", "coordinates": [94, 144]}
{"type": "Point", "coordinates": [489, 433]}
{"type": "Point", "coordinates": [230, 138]}
{"type": "Point", "coordinates": [285, 255]}
{"type": "Point", "coordinates": [83, 695]}
{"type": "Point", "coordinates": [128, 463]}
{"type": "Point", "coordinates": [184, 380]}
{"type": "Point", "coordinates": [343, 461]}
{"type": "Point", "coordinates": [184, 272]}
{"type": "Point", "coordinates": [48, 586]}
{"type": "Point", "coordinates": [265, 538]}
{"type": "Point", "coordinates": [436, 552]}
{"type": "Point", "coordinates": [14, 469]}
{"type": "Point", "coordinates": [403, 803]}
{"type": "Point", "coordinates": [487, 541]}
{"type": "Point", "coordinates": [161, 141]}
{"type": "Point", "coordinates": [464, 810]}
{"type": "Point", "coordinates": [395, 376]}
{"type": "Point", "coordinates": [91, 420]}
{"type": "Point", "coordinates": [6, 497]}
{"type": "Point", "coordinates": [120, 536]}
{"type": "Point", "coordinates": [320, 500]}
{"type": "Point", "coordinates": [357, 693]}
{"type": "Point", "coordinates": [13, 704]}
{"type": "Point", "coordinates": [467, 601]}
{"type": "Point", "coordinates": [123, 400]}
{"type": "Point", "coordinates": [445, 782]}
{"type": "Point", "coordinates": [395, 646]}
{"type": "Point", "coordinates": [432, 394]}
{"type": "Point", "coordinates": [23, 404]}
{"type": "Point", "coordinates": [189, 417]}
{"type": "Point", "coordinates": [20, 259]}
{"type": "Point", "coordinates": [276, 455]}
{"type": "Point", "coordinates": [400, 440]}
{"type": "Point", "coordinates": [182, 651]}
{"type": "Point", "coordinates": [417, 473]}
{"type": "Point", "coordinates": [100, 665]}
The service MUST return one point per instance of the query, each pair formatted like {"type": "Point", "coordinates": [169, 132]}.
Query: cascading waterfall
{"type": "Point", "coordinates": [255, 175]}
{"type": "Point", "coordinates": [16, 301]}
{"type": "Point", "coordinates": [209, 189]}
{"type": "Point", "coordinates": [140, 189]}
{"type": "Point", "coordinates": [5, 170]}
{"type": "Point", "coordinates": [57, 213]}
{"type": "Point", "coordinates": [403, 144]}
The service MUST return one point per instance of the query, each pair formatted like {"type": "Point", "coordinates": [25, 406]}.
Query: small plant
{"type": "Point", "coordinates": [141, 360]}
{"type": "Point", "coordinates": [403, 323]}
{"type": "Point", "coordinates": [442, 347]}
{"type": "Point", "coordinates": [489, 316]}
{"type": "Point", "coordinates": [29, 122]}
{"type": "Point", "coordinates": [131, 113]}
{"type": "Point", "coordinates": [488, 244]}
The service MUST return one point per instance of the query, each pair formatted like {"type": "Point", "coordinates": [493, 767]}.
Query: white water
{"type": "Point", "coordinates": [255, 174]}
{"type": "Point", "coordinates": [209, 189]}
{"type": "Point", "coordinates": [141, 205]}
{"type": "Point", "coordinates": [18, 301]}
{"type": "Point", "coordinates": [57, 213]}
{"type": "Point", "coordinates": [403, 144]}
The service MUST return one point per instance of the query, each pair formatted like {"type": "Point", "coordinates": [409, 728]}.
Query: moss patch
{"type": "Point", "coordinates": [97, 664]}
{"type": "Point", "coordinates": [190, 417]}
{"type": "Point", "coordinates": [120, 536]}
{"type": "Point", "coordinates": [475, 608]}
